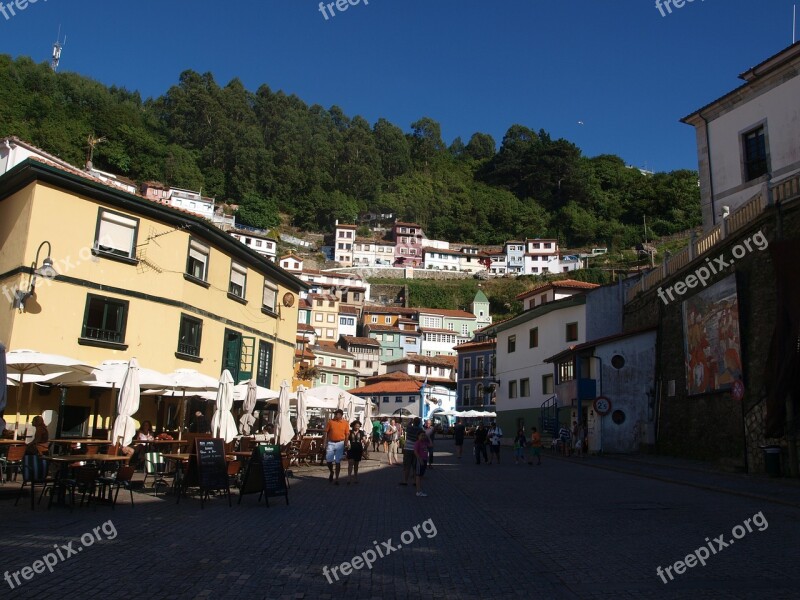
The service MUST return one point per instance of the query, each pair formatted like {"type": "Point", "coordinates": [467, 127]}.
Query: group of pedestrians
{"type": "Point", "coordinates": [491, 437]}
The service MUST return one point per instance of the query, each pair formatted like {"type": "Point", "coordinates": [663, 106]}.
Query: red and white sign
{"type": "Point", "coordinates": [602, 406]}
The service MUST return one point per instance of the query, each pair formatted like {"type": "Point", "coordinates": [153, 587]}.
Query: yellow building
{"type": "Point", "coordinates": [134, 278]}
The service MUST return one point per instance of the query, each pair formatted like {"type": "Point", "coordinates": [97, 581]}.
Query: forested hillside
{"type": "Point", "coordinates": [270, 152]}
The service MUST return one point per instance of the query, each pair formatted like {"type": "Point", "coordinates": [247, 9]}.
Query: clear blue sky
{"type": "Point", "coordinates": [618, 66]}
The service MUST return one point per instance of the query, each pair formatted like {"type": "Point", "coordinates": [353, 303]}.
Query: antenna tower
{"type": "Point", "coordinates": [57, 46]}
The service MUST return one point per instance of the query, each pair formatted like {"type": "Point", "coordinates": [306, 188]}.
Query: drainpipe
{"type": "Point", "coordinates": [710, 170]}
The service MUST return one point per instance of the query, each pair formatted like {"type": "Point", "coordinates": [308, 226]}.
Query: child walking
{"type": "Point", "coordinates": [421, 453]}
{"type": "Point", "coordinates": [519, 447]}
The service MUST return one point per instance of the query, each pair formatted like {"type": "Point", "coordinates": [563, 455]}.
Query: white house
{"type": "Point", "coordinates": [344, 237]}
{"type": "Point", "coordinates": [266, 246]}
{"type": "Point", "coordinates": [554, 290]}
{"type": "Point", "coordinates": [540, 256]}
{"type": "Point", "coordinates": [499, 266]}
{"type": "Point", "coordinates": [515, 256]}
{"type": "Point", "coordinates": [524, 379]}
{"type": "Point", "coordinates": [440, 259]}
{"type": "Point", "coordinates": [750, 136]}
{"type": "Point", "coordinates": [367, 252]}
{"type": "Point", "coordinates": [291, 262]}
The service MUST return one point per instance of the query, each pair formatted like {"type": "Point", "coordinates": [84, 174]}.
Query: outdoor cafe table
{"type": "Point", "coordinates": [81, 441]}
{"type": "Point", "coordinates": [12, 442]}
{"type": "Point", "coordinates": [67, 459]}
{"type": "Point", "coordinates": [163, 444]}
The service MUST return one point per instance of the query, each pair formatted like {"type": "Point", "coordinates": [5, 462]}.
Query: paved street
{"type": "Point", "coordinates": [570, 528]}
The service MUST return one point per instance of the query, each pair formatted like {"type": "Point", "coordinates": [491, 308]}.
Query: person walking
{"type": "Point", "coordinates": [421, 450]}
{"type": "Point", "coordinates": [495, 433]}
{"type": "Point", "coordinates": [480, 444]}
{"type": "Point", "coordinates": [390, 438]}
{"type": "Point", "coordinates": [564, 440]}
{"type": "Point", "coordinates": [535, 447]}
{"type": "Point", "coordinates": [336, 434]}
{"type": "Point", "coordinates": [355, 450]}
{"type": "Point", "coordinates": [430, 431]}
{"type": "Point", "coordinates": [377, 434]}
{"type": "Point", "coordinates": [409, 461]}
{"type": "Point", "coordinates": [459, 432]}
{"type": "Point", "coordinates": [519, 446]}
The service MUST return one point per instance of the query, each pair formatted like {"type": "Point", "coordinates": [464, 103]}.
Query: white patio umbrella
{"type": "Point", "coordinates": [341, 402]}
{"type": "Point", "coordinates": [188, 380]}
{"type": "Point", "coordinates": [127, 405]}
{"type": "Point", "coordinates": [284, 432]}
{"type": "Point", "coordinates": [222, 423]}
{"type": "Point", "coordinates": [109, 374]}
{"type": "Point", "coordinates": [31, 362]}
{"type": "Point", "coordinates": [248, 420]}
{"type": "Point", "coordinates": [302, 417]}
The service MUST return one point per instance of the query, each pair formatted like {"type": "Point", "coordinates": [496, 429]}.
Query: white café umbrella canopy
{"type": "Point", "coordinates": [302, 417]}
{"type": "Point", "coordinates": [127, 405]}
{"type": "Point", "coordinates": [222, 423]}
{"type": "Point", "coordinates": [188, 380]}
{"type": "Point", "coordinates": [32, 363]}
{"type": "Point", "coordinates": [284, 432]}
{"type": "Point", "coordinates": [368, 415]}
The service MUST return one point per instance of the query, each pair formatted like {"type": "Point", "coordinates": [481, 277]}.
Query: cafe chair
{"type": "Point", "coordinates": [12, 460]}
{"type": "Point", "coordinates": [234, 470]}
{"type": "Point", "coordinates": [34, 471]}
{"type": "Point", "coordinates": [84, 482]}
{"type": "Point", "coordinates": [155, 466]}
{"type": "Point", "coordinates": [123, 479]}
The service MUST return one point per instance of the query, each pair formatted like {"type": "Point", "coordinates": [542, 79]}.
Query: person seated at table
{"type": "Point", "coordinates": [40, 443]}
{"type": "Point", "coordinates": [145, 434]}
{"type": "Point", "coordinates": [200, 424]}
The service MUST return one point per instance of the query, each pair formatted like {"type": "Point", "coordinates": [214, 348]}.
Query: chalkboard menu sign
{"type": "Point", "coordinates": [272, 472]}
{"type": "Point", "coordinates": [211, 467]}
{"type": "Point", "coordinates": [265, 474]}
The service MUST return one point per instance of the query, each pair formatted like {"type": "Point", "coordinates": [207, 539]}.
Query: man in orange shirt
{"type": "Point", "coordinates": [336, 432]}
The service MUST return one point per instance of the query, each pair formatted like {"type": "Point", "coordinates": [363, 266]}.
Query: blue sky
{"type": "Point", "coordinates": [628, 73]}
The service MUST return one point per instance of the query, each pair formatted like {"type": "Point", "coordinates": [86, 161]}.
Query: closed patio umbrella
{"type": "Point", "coordinates": [302, 418]}
{"type": "Point", "coordinates": [222, 423]}
{"type": "Point", "coordinates": [367, 415]}
{"type": "Point", "coordinates": [31, 362]}
{"type": "Point", "coordinates": [127, 405]}
{"type": "Point", "coordinates": [285, 431]}
{"type": "Point", "coordinates": [248, 420]}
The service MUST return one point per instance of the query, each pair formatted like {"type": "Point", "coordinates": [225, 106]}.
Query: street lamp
{"type": "Point", "coordinates": [45, 271]}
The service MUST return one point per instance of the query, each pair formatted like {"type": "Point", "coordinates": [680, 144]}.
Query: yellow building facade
{"type": "Point", "coordinates": [134, 278]}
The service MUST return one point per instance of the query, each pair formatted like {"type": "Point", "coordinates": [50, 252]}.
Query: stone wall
{"type": "Point", "coordinates": [715, 426]}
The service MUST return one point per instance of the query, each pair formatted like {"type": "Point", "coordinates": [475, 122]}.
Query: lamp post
{"type": "Point", "coordinates": [46, 271]}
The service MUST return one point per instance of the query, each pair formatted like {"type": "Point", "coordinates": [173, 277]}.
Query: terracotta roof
{"type": "Point", "coordinates": [564, 284]}
{"type": "Point", "coordinates": [429, 361]}
{"type": "Point", "coordinates": [364, 341]}
{"type": "Point", "coordinates": [392, 310]}
{"type": "Point", "coordinates": [328, 348]}
{"type": "Point", "coordinates": [348, 310]}
{"type": "Point", "coordinates": [385, 328]}
{"type": "Point", "coordinates": [458, 314]}
{"type": "Point", "coordinates": [432, 249]}
{"type": "Point", "coordinates": [404, 224]}
{"type": "Point", "coordinates": [291, 255]}
{"type": "Point", "coordinates": [328, 297]}
{"type": "Point", "coordinates": [303, 354]}
{"type": "Point", "coordinates": [305, 327]}
{"type": "Point", "coordinates": [303, 303]}
{"type": "Point", "coordinates": [346, 226]}
{"type": "Point", "coordinates": [476, 345]}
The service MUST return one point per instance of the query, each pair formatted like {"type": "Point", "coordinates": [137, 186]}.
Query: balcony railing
{"type": "Point", "coordinates": [103, 335]}
{"type": "Point", "coordinates": [784, 191]}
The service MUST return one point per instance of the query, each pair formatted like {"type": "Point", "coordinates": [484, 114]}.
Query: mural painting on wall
{"type": "Point", "coordinates": [711, 338]}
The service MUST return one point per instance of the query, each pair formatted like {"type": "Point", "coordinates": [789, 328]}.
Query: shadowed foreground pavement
{"type": "Point", "coordinates": [561, 530]}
